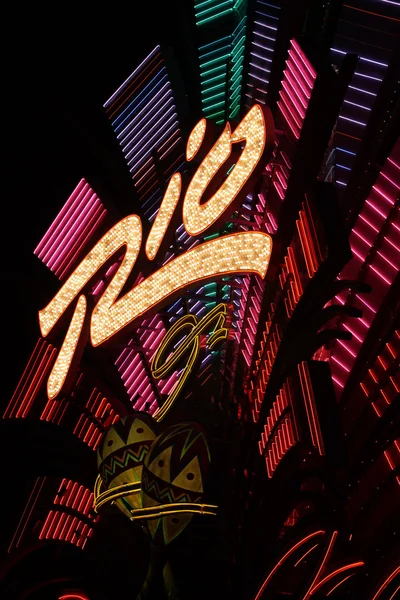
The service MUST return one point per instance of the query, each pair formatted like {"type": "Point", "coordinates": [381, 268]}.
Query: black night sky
{"type": "Point", "coordinates": [61, 68]}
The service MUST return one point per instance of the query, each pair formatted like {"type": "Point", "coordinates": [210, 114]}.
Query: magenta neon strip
{"type": "Point", "coordinates": [147, 396]}
{"type": "Point", "coordinates": [81, 234]}
{"type": "Point", "coordinates": [289, 84]}
{"type": "Point", "coordinates": [130, 369]}
{"type": "Point", "coordinates": [347, 369]}
{"type": "Point", "coordinates": [169, 385]}
{"type": "Point", "coordinates": [252, 329]}
{"type": "Point", "coordinates": [394, 163]}
{"type": "Point", "coordinates": [388, 281]}
{"type": "Point", "coordinates": [87, 237]}
{"type": "Point", "coordinates": [65, 208]}
{"type": "Point", "coordinates": [381, 193]}
{"type": "Point", "coordinates": [74, 225]}
{"type": "Point", "coordinates": [138, 386]}
{"type": "Point", "coordinates": [101, 285]}
{"type": "Point", "coordinates": [306, 77]}
{"type": "Point", "coordinates": [54, 229]}
{"type": "Point", "coordinates": [303, 59]}
{"type": "Point", "coordinates": [120, 362]}
{"type": "Point", "coordinates": [278, 188]}
{"type": "Point", "coordinates": [383, 215]}
{"type": "Point", "coordinates": [339, 383]}
{"type": "Point", "coordinates": [391, 181]}
{"type": "Point", "coordinates": [153, 407]}
{"type": "Point", "coordinates": [287, 102]}
{"type": "Point", "coordinates": [74, 232]}
{"type": "Point", "coordinates": [137, 375]}
{"type": "Point", "coordinates": [137, 371]}
{"type": "Point", "coordinates": [69, 259]}
{"type": "Point", "coordinates": [64, 224]}
{"type": "Point", "coordinates": [368, 242]}
{"type": "Point", "coordinates": [389, 262]}
{"type": "Point", "coordinates": [144, 388]}
{"type": "Point", "coordinates": [288, 98]}
{"type": "Point", "coordinates": [58, 247]}
{"type": "Point", "coordinates": [288, 119]}
{"type": "Point", "coordinates": [306, 92]}
{"type": "Point", "coordinates": [345, 346]}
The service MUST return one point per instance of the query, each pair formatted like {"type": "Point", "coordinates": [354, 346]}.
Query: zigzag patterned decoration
{"type": "Point", "coordinates": [119, 463]}
{"type": "Point", "coordinates": [165, 494]}
{"type": "Point", "coordinates": [191, 438]}
{"type": "Point", "coordinates": [120, 457]}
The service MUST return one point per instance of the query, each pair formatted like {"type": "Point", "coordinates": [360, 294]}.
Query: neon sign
{"type": "Point", "coordinates": [318, 580]}
{"type": "Point", "coordinates": [190, 345]}
{"type": "Point", "coordinates": [232, 254]}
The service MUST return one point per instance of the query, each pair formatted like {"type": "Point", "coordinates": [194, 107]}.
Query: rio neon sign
{"type": "Point", "coordinates": [231, 254]}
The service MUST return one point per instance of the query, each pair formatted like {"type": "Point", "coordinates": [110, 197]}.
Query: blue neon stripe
{"type": "Point", "coordinates": [346, 151]}
{"type": "Point", "coordinates": [162, 76]}
{"type": "Point", "coordinates": [145, 125]}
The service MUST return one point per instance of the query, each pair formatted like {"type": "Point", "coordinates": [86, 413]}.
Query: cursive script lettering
{"type": "Point", "coordinates": [191, 345]}
{"type": "Point", "coordinates": [238, 253]}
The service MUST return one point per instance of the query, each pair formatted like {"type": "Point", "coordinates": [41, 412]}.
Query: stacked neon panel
{"type": "Point", "coordinates": [86, 409]}
{"type": "Point", "coordinates": [71, 231]}
{"type": "Point", "coordinates": [294, 417]}
{"type": "Point", "coordinates": [380, 385]}
{"type": "Point", "coordinates": [354, 34]}
{"type": "Point", "coordinates": [298, 82]}
{"type": "Point", "coordinates": [78, 224]}
{"type": "Point", "coordinates": [297, 85]}
{"type": "Point", "coordinates": [280, 432]}
{"type": "Point", "coordinates": [70, 519]}
{"type": "Point", "coordinates": [221, 60]}
{"type": "Point", "coordinates": [301, 262]}
{"type": "Point", "coordinates": [144, 117]}
{"type": "Point", "coordinates": [133, 364]}
{"type": "Point", "coordinates": [265, 27]}
{"type": "Point", "coordinates": [375, 243]}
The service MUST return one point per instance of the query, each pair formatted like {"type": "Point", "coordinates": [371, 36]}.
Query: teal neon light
{"type": "Point", "coordinates": [217, 6]}
{"type": "Point", "coordinates": [226, 39]}
{"type": "Point", "coordinates": [213, 79]}
{"type": "Point", "coordinates": [216, 105]}
{"type": "Point", "coordinates": [221, 60]}
{"type": "Point", "coordinates": [211, 89]}
{"type": "Point", "coordinates": [221, 67]}
{"type": "Point", "coordinates": [203, 21]}
{"type": "Point", "coordinates": [212, 99]}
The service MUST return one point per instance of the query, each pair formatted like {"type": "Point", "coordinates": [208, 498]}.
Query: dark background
{"type": "Point", "coordinates": [59, 68]}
